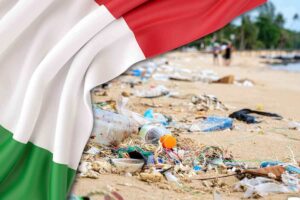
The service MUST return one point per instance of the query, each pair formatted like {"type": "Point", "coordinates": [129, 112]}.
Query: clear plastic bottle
{"type": "Point", "coordinates": [111, 128]}
{"type": "Point", "coordinates": [153, 134]}
{"type": "Point", "coordinates": [212, 123]}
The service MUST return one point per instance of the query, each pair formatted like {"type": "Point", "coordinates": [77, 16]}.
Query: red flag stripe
{"type": "Point", "coordinates": [120, 7]}
{"type": "Point", "coordinates": [162, 25]}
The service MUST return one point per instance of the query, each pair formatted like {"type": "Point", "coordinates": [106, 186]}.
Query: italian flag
{"type": "Point", "coordinates": [53, 52]}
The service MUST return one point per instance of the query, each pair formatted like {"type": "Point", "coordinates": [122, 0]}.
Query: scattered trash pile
{"type": "Point", "coordinates": [161, 70]}
{"type": "Point", "coordinates": [150, 148]}
{"type": "Point", "coordinates": [271, 177]}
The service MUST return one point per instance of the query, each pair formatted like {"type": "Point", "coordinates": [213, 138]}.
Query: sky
{"type": "Point", "coordinates": [288, 8]}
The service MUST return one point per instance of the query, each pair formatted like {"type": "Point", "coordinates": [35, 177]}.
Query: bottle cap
{"type": "Point", "coordinates": [168, 141]}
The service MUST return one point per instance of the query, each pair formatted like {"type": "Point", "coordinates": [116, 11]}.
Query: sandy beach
{"type": "Point", "coordinates": [273, 91]}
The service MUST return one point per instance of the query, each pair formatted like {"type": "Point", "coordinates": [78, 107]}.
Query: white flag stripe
{"type": "Point", "coordinates": [5, 6]}
{"type": "Point", "coordinates": [18, 19]}
{"type": "Point", "coordinates": [50, 66]}
{"type": "Point", "coordinates": [21, 59]}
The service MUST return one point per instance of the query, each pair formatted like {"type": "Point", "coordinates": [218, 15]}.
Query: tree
{"type": "Point", "coordinates": [279, 20]}
{"type": "Point", "coordinates": [265, 31]}
{"type": "Point", "coordinates": [247, 33]}
{"type": "Point", "coordinates": [269, 25]}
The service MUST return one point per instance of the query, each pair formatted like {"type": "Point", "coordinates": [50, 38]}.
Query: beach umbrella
{"type": "Point", "coordinates": [53, 53]}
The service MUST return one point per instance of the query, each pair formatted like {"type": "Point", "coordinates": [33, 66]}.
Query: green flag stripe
{"type": "Point", "coordinates": [28, 172]}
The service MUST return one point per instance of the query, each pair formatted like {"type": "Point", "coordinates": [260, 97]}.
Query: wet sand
{"type": "Point", "coordinates": [274, 91]}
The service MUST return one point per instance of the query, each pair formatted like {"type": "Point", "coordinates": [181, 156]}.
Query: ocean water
{"type": "Point", "coordinates": [293, 67]}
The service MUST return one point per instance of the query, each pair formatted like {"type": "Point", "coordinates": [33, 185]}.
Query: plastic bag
{"type": "Point", "coordinates": [212, 123]}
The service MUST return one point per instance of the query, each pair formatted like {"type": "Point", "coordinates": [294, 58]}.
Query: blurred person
{"type": "Point", "coordinates": [216, 51]}
{"type": "Point", "coordinates": [227, 54]}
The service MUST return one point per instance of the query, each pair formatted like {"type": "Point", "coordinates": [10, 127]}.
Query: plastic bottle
{"type": "Point", "coordinates": [111, 128]}
{"type": "Point", "coordinates": [212, 123]}
{"type": "Point", "coordinates": [153, 134]}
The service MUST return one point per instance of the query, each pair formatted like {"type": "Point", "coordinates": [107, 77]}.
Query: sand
{"type": "Point", "coordinates": [274, 91]}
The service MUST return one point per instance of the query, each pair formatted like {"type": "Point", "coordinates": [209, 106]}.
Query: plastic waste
{"type": "Point", "coordinates": [288, 167]}
{"type": "Point", "coordinates": [152, 134]}
{"type": "Point", "coordinates": [180, 77]}
{"type": "Point", "coordinates": [261, 186]}
{"type": "Point", "coordinates": [156, 117]}
{"type": "Point", "coordinates": [212, 123]}
{"type": "Point", "coordinates": [112, 128]}
{"type": "Point", "coordinates": [128, 164]}
{"type": "Point", "coordinates": [93, 151]}
{"type": "Point", "coordinates": [168, 141]}
{"type": "Point", "coordinates": [269, 163]}
{"type": "Point", "coordinates": [206, 76]}
{"type": "Point", "coordinates": [208, 102]}
{"type": "Point", "coordinates": [170, 177]}
{"type": "Point", "coordinates": [244, 115]}
{"type": "Point", "coordinates": [135, 117]}
{"type": "Point", "coordinates": [274, 172]}
{"type": "Point", "coordinates": [134, 152]}
{"type": "Point", "coordinates": [151, 160]}
{"type": "Point", "coordinates": [245, 83]}
{"type": "Point", "coordinates": [217, 195]}
{"type": "Point", "coordinates": [294, 126]}
{"type": "Point", "coordinates": [144, 69]}
{"type": "Point", "coordinates": [225, 80]}
{"type": "Point", "coordinates": [292, 169]}
{"type": "Point", "coordinates": [197, 168]}
{"type": "Point", "coordinates": [160, 77]}
{"type": "Point", "coordinates": [292, 181]}
{"type": "Point", "coordinates": [152, 92]}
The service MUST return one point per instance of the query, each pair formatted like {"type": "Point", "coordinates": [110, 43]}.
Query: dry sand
{"type": "Point", "coordinates": [274, 91]}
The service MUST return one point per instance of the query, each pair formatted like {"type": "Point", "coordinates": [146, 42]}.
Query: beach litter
{"type": "Point", "coordinates": [180, 77]}
{"type": "Point", "coordinates": [229, 79]}
{"type": "Point", "coordinates": [155, 134]}
{"type": "Point", "coordinates": [143, 70]}
{"type": "Point", "coordinates": [153, 117]}
{"type": "Point", "coordinates": [260, 187]}
{"type": "Point", "coordinates": [147, 142]}
{"type": "Point", "coordinates": [206, 76]}
{"type": "Point", "coordinates": [127, 165]}
{"type": "Point", "coordinates": [152, 92]}
{"type": "Point", "coordinates": [208, 102]}
{"type": "Point", "coordinates": [294, 126]}
{"type": "Point", "coordinates": [244, 115]}
{"type": "Point", "coordinates": [244, 82]}
{"type": "Point", "coordinates": [112, 128]}
{"type": "Point", "coordinates": [273, 172]}
{"type": "Point", "coordinates": [212, 123]}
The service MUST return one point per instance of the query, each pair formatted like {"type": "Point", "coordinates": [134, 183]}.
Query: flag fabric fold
{"type": "Point", "coordinates": [54, 52]}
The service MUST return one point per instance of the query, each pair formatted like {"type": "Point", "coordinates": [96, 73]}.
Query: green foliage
{"type": "Point", "coordinates": [247, 34]}
{"type": "Point", "coordinates": [266, 31]}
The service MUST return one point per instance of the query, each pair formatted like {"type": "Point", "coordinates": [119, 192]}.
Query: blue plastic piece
{"type": "Point", "coordinates": [150, 160]}
{"type": "Point", "coordinates": [148, 114]}
{"type": "Point", "coordinates": [137, 72]}
{"type": "Point", "coordinates": [269, 163]}
{"type": "Point", "coordinates": [197, 168]}
{"type": "Point", "coordinates": [214, 123]}
{"type": "Point", "coordinates": [292, 169]}
{"type": "Point", "coordinates": [160, 160]}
